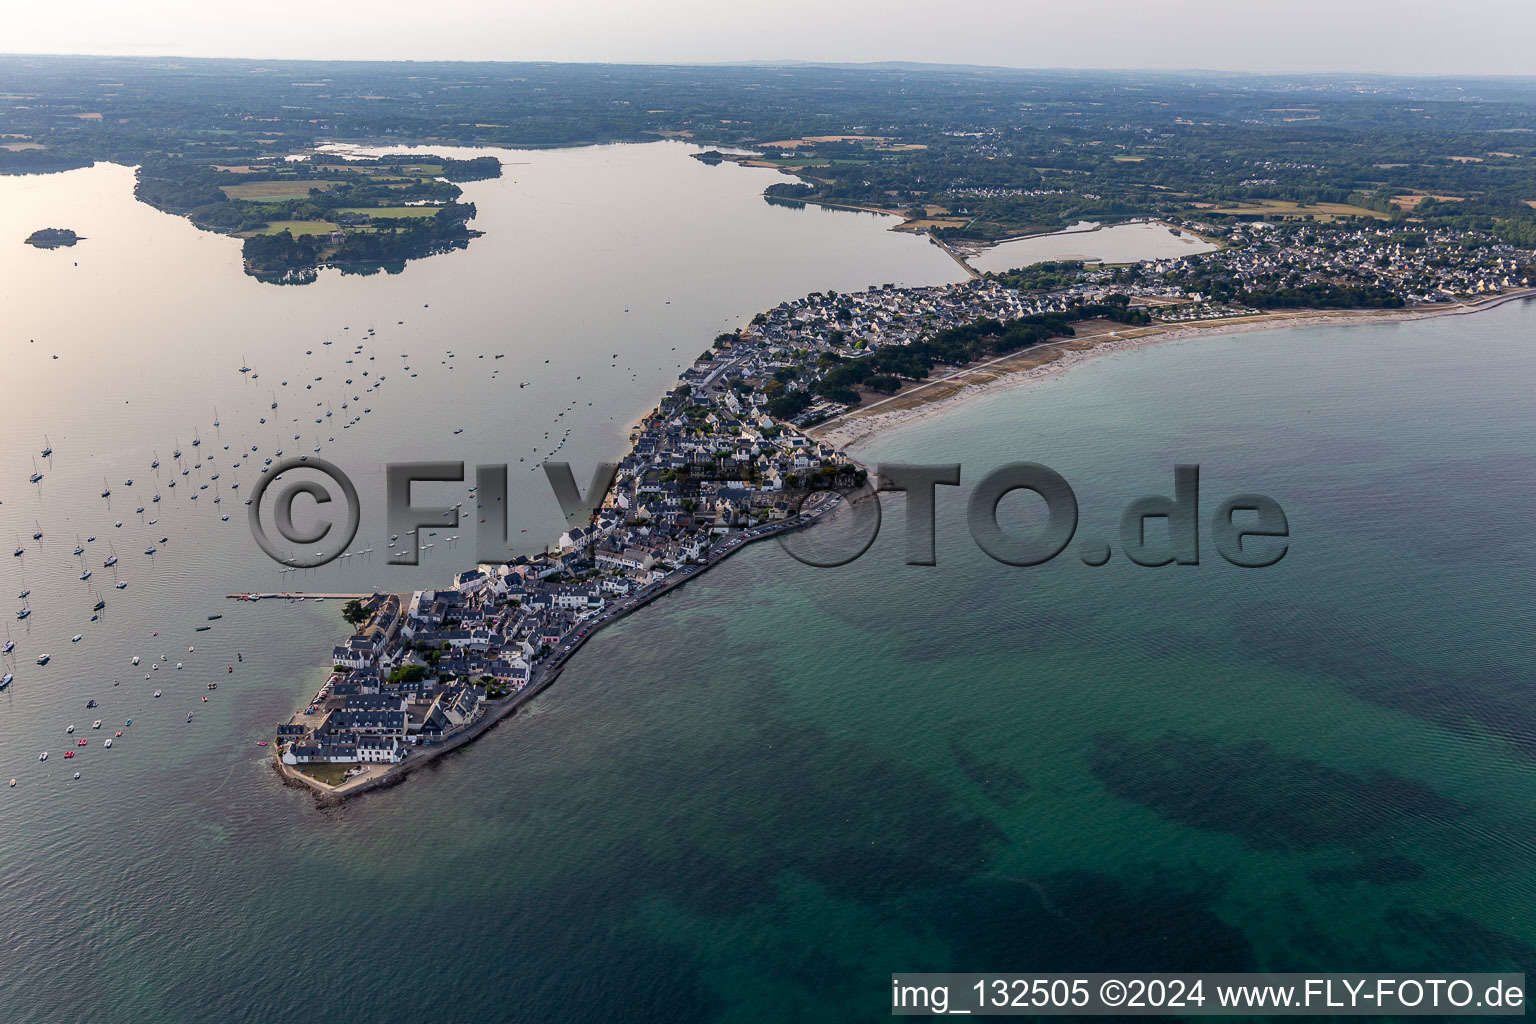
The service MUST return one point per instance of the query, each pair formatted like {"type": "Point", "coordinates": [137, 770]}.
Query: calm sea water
{"type": "Point", "coordinates": [757, 799]}
{"type": "Point", "coordinates": [1119, 243]}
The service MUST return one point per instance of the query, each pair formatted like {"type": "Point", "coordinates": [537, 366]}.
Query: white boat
{"type": "Point", "coordinates": [135, 659]}
{"type": "Point", "coordinates": [96, 724]}
{"type": "Point", "coordinates": [69, 728]}
{"type": "Point", "coordinates": [77, 638]}
{"type": "Point", "coordinates": [43, 756]}
{"type": "Point", "coordinates": [157, 693]}
{"type": "Point", "coordinates": [5, 680]}
{"type": "Point", "coordinates": [108, 744]}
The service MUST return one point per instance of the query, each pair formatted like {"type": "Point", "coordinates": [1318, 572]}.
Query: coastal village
{"type": "Point", "coordinates": [725, 459]}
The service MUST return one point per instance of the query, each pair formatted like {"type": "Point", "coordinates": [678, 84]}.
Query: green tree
{"type": "Point", "coordinates": [355, 613]}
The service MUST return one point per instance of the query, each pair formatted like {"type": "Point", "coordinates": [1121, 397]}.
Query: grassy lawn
{"type": "Point", "coordinates": [935, 222]}
{"type": "Point", "coordinates": [330, 774]}
{"type": "Point", "coordinates": [298, 227]}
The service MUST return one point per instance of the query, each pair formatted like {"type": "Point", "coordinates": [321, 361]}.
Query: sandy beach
{"type": "Point", "coordinates": [943, 394]}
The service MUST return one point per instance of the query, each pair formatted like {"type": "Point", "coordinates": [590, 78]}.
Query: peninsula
{"type": "Point", "coordinates": [748, 445]}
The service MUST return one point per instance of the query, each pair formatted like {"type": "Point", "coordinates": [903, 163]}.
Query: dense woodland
{"type": "Point", "coordinates": [986, 152]}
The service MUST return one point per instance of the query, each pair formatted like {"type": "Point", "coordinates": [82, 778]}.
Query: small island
{"type": "Point", "coordinates": [295, 216]}
{"type": "Point", "coordinates": [52, 238]}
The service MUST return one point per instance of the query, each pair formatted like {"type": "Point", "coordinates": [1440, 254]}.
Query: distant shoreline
{"type": "Point", "coordinates": [856, 430]}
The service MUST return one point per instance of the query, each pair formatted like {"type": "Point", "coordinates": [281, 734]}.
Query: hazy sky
{"type": "Point", "coordinates": [1406, 36]}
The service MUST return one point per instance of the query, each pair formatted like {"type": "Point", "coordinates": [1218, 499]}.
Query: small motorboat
{"type": "Point", "coordinates": [43, 756]}
{"type": "Point", "coordinates": [135, 659]}
{"type": "Point", "coordinates": [5, 680]}
{"type": "Point", "coordinates": [189, 716]}
{"type": "Point", "coordinates": [77, 638]}
{"type": "Point", "coordinates": [108, 742]}
{"type": "Point", "coordinates": [91, 704]}
{"type": "Point", "coordinates": [82, 742]}
{"type": "Point", "coordinates": [122, 584]}
{"type": "Point", "coordinates": [213, 686]}
{"type": "Point", "coordinates": [157, 693]}
{"type": "Point", "coordinates": [96, 724]}
{"type": "Point", "coordinates": [119, 732]}
{"type": "Point", "coordinates": [45, 659]}
{"type": "Point", "coordinates": [69, 728]}
{"type": "Point", "coordinates": [69, 754]}
{"type": "Point", "coordinates": [77, 775]}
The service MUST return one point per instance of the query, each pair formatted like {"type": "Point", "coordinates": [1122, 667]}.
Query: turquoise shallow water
{"type": "Point", "coordinates": [771, 789]}
{"type": "Point", "coordinates": [761, 796]}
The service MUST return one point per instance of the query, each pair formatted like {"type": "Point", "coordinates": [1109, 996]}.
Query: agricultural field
{"type": "Point", "coordinates": [1409, 202]}
{"type": "Point", "coordinates": [296, 227]}
{"type": "Point", "coordinates": [392, 212]}
{"type": "Point", "coordinates": [1324, 212]}
{"type": "Point", "coordinates": [270, 191]}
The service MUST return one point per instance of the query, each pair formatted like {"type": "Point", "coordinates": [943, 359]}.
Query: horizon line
{"type": "Point", "coordinates": [750, 63]}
